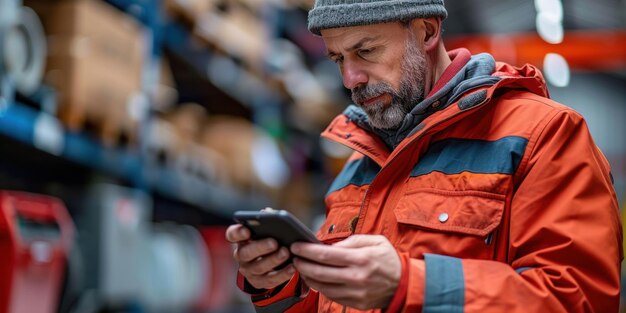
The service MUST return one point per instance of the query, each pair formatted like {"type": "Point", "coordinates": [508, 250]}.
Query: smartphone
{"type": "Point", "coordinates": [277, 224]}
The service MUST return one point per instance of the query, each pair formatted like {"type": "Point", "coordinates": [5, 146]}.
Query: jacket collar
{"type": "Point", "coordinates": [465, 73]}
{"type": "Point", "coordinates": [350, 127]}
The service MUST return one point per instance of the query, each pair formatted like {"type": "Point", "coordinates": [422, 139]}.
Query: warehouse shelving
{"type": "Point", "coordinates": [132, 165]}
{"type": "Point", "coordinates": [42, 155]}
{"type": "Point", "coordinates": [221, 71]}
{"type": "Point", "coordinates": [20, 122]}
{"type": "Point", "coordinates": [171, 35]}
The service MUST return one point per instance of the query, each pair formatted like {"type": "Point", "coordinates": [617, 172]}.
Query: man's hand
{"type": "Point", "coordinates": [257, 259]}
{"type": "Point", "coordinates": [362, 271]}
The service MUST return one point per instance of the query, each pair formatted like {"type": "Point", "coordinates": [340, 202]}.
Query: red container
{"type": "Point", "coordinates": [222, 271]}
{"type": "Point", "coordinates": [36, 233]}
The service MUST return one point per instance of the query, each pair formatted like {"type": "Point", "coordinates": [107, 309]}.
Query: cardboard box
{"type": "Point", "coordinates": [254, 162]}
{"type": "Point", "coordinates": [96, 58]}
{"type": "Point", "coordinates": [91, 94]}
{"type": "Point", "coordinates": [238, 32]}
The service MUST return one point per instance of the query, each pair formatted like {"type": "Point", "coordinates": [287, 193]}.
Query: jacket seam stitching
{"type": "Point", "coordinates": [531, 148]}
{"type": "Point", "coordinates": [459, 193]}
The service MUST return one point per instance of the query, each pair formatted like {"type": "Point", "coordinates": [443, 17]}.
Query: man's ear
{"type": "Point", "coordinates": [429, 32]}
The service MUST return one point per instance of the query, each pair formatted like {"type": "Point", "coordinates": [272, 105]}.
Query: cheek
{"type": "Point", "coordinates": [391, 70]}
{"type": "Point", "coordinates": [390, 74]}
{"type": "Point", "coordinates": [394, 77]}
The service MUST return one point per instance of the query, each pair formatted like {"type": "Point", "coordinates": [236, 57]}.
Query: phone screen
{"type": "Point", "coordinates": [280, 225]}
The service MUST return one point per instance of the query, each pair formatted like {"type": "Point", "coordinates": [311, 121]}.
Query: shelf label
{"type": "Point", "coordinates": [48, 134]}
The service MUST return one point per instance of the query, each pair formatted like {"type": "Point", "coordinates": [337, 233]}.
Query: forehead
{"type": "Point", "coordinates": [344, 38]}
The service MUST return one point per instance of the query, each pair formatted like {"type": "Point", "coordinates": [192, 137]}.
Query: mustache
{"type": "Point", "coordinates": [362, 93]}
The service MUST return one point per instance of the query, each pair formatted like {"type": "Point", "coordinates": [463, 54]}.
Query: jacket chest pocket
{"type": "Point", "coordinates": [340, 222]}
{"type": "Point", "coordinates": [456, 223]}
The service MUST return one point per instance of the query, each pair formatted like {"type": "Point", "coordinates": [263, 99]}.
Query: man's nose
{"type": "Point", "coordinates": [353, 75]}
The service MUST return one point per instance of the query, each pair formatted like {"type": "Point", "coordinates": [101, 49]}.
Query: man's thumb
{"type": "Point", "coordinates": [359, 241]}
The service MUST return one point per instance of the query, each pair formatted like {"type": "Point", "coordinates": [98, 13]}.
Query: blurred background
{"type": "Point", "coordinates": [130, 130]}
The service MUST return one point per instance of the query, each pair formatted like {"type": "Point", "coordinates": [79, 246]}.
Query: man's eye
{"type": "Point", "coordinates": [365, 52]}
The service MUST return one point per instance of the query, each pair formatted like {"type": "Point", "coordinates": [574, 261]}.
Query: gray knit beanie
{"type": "Point", "coordinates": [344, 13]}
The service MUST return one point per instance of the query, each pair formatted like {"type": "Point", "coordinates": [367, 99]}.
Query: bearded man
{"type": "Point", "coordinates": [469, 189]}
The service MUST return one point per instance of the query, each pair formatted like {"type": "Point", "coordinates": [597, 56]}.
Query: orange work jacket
{"type": "Point", "coordinates": [500, 202]}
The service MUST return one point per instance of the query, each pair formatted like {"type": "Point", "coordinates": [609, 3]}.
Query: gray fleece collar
{"type": "Point", "coordinates": [475, 74]}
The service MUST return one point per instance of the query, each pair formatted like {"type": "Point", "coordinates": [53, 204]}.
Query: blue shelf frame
{"type": "Point", "coordinates": [17, 121]}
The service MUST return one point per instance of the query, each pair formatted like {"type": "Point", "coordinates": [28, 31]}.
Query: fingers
{"type": "Point", "coordinates": [258, 258]}
{"type": "Point", "coordinates": [362, 271]}
{"type": "Point", "coordinates": [326, 274]}
{"type": "Point", "coordinates": [324, 254]}
{"type": "Point", "coordinates": [254, 249]}
{"type": "Point", "coordinates": [360, 241]}
{"type": "Point", "coordinates": [260, 271]}
{"type": "Point", "coordinates": [266, 264]}
{"type": "Point", "coordinates": [237, 233]}
{"type": "Point", "coordinates": [270, 279]}
{"type": "Point", "coordinates": [343, 253]}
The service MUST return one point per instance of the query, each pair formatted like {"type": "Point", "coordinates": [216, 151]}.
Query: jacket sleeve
{"type": "Point", "coordinates": [565, 240]}
{"type": "Point", "coordinates": [288, 298]}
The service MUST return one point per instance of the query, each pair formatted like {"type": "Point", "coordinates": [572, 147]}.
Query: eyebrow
{"type": "Point", "coordinates": [358, 45]}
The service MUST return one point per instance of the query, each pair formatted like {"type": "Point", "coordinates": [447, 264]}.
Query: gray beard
{"type": "Point", "coordinates": [410, 93]}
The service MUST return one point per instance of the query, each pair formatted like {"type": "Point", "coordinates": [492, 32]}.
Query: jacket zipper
{"type": "Point", "coordinates": [489, 239]}
{"type": "Point", "coordinates": [367, 191]}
